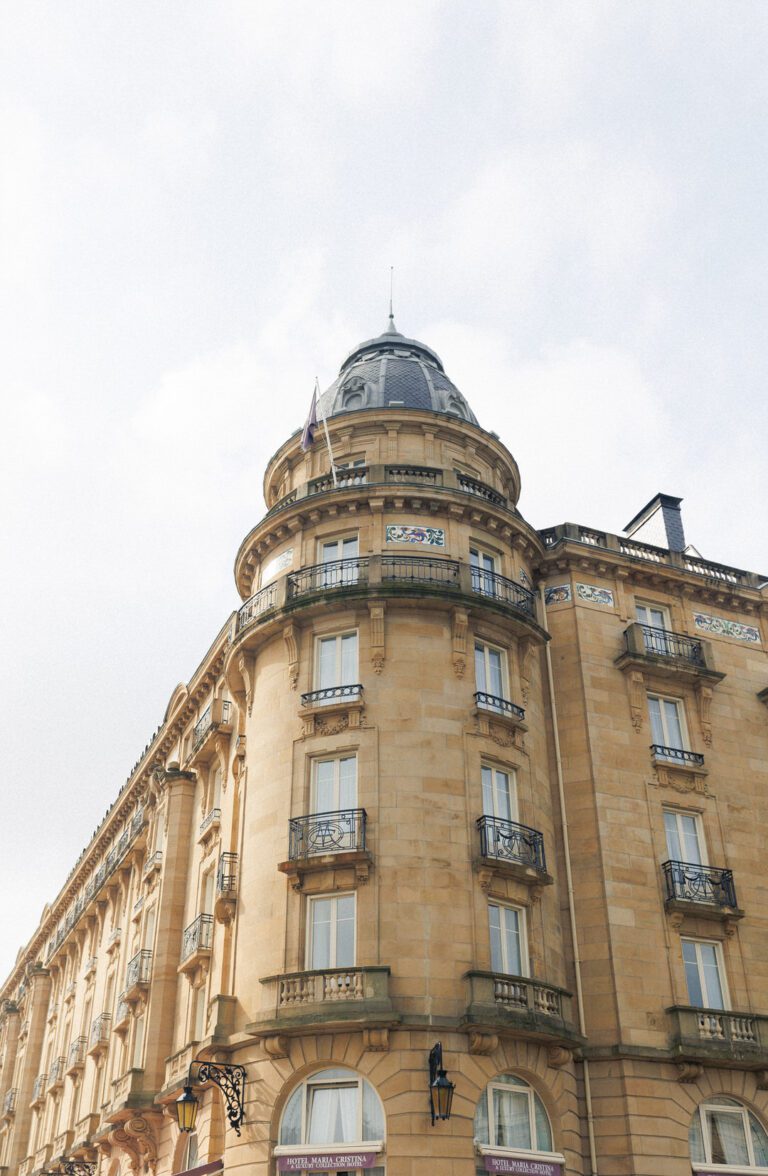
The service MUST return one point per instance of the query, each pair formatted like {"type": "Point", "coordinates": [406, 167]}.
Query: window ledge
{"type": "Point", "coordinates": [488, 869]}
{"type": "Point", "coordinates": [679, 909]}
{"type": "Point", "coordinates": [297, 869]}
{"type": "Point", "coordinates": [330, 718]}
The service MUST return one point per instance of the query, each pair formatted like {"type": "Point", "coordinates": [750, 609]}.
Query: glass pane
{"type": "Point", "coordinates": [332, 1116]}
{"type": "Point", "coordinates": [348, 659]}
{"type": "Point", "coordinates": [348, 782]}
{"type": "Point", "coordinates": [674, 848]}
{"type": "Point", "coordinates": [657, 731]}
{"type": "Point", "coordinates": [323, 800]}
{"type": "Point", "coordinates": [641, 612]}
{"type": "Point", "coordinates": [349, 548]}
{"type": "Point", "coordinates": [692, 978]}
{"type": "Point", "coordinates": [373, 1119]}
{"type": "Point", "coordinates": [494, 672]}
{"type": "Point", "coordinates": [321, 933]}
{"type": "Point", "coordinates": [759, 1141]}
{"type": "Point", "coordinates": [672, 721]}
{"type": "Point", "coordinates": [497, 964]}
{"type": "Point", "coordinates": [480, 680]}
{"type": "Point", "coordinates": [486, 776]}
{"type": "Point", "coordinates": [696, 1140]}
{"type": "Point", "coordinates": [511, 1119]}
{"type": "Point", "coordinates": [543, 1129]}
{"type": "Point", "coordinates": [481, 1119]}
{"type": "Point", "coordinates": [690, 839]}
{"type": "Point", "coordinates": [511, 922]}
{"type": "Point", "coordinates": [290, 1128]}
{"type": "Point", "coordinates": [727, 1137]}
{"type": "Point", "coordinates": [657, 618]}
{"type": "Point", "coordinates": [713, 992]}
{"type": "Point", "coordinates": [504, 804]}
{"type": "Point", "coordinates": [345, 932]}
{"type": "Point", "coordinates": [330, 550]}
{"type": "Point", "coordinates": [327, 664]}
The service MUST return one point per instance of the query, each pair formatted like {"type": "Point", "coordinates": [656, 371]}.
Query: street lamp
{"type": "Point", "coordinates": [440, 1087]}
{"type": "Point", "coordinates": [230, 1081]}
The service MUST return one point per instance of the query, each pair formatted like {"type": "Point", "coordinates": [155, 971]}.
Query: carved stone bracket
{"type": "Point", "coordinates": [637, 696]}
{"type": "Point", "coordinates": [525, 649]}
{"type": "Point", "coordinates": [459, 623]}
{"type": "Point", "coordinates": [483, 1043]}
{"type": "Point", "coordinates": [378, 648]}
{"type": "Point", "coordinates": [245, 664]}
{"type": "Point", "coordinates": [276, 1046]}
{"type": "Point", "coordinates": [558, 1056]}
{"type": "Point", "coordinates": [761, 1079]}
{"type": "Point", "coordinates": [376, 1040]}
{"type": "Point", "coordinates": [689, 1071]}
{"type": "Point", "coordinates": [136, 1138]}
{"type": "Point", "coordinates": [290, 637]}
{"type": "Point", "coordinates": [704, 699]}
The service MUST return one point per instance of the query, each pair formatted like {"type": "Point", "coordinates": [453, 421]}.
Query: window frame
{"type": "Point", "coordinates": [734, 1107]}
{"type": "Point", "coordinates": [512, 793]}
{"type": "Point", "coordinates": [681, 718]}
{"type": "Point", "coordinates": [650, 605]}
{"type": "Point", "coordinates": [721, 970]}
{"type": "Point", "coordinates": [309, 940]}
{"type": "Point", "coordinates": [522, 930]}
{"type": "Point", "coordinates": [520, 1086]}
{"type": "Point", "coordinates": [320, 638]}
{"type": "Point", "coordinates": [336, 760]}
{"type": "Point", "coordinates": [487, 647]}
{"type": "Point", "coordinates": [700, 838]}
{"type": "Point", "coordinates": [316, 1082]}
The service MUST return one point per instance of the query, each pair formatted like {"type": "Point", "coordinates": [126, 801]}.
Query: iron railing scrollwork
{"type": "Point", "coordinates": [334, 832]}
{"type": "Point", "coordinates": [497, 587]}
{"type": "Point", "coordinates": [198, 936]}
{"type": "Point", "coordinates": [677, 755]}
{"type": "Point", "coordinates": [418, 569]}
{"type": "Point", "coordinates": [665, 643]}
{"type": "Point", "coordinates": [500, 706]}
{"type": "Point", "coordinates": [226, 874]}
{"type": "Point", "coordinates": [690, 882]}
{"type": "Point", "coordinates": [511, 842]}
{"type": "Point", "coordinates": [334, 574]}
{"type": "Point", "coordinates": [231, 1082]}
{"type": "Point", "coordinates": [139, 968]}
{"type": "Point", "coordinates": [331, 694]}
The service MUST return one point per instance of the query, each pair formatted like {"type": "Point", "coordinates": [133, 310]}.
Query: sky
{"type": "Point", "coordinates": [199, 207]}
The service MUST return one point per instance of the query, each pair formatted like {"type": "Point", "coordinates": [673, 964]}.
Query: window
{"type": "Point", "coordinates": [491, 674]}
{"type": "Point", "coordinates": [334, 784]}
{"type": "Point", "coordinates": [511, 1115]}
{"type": "Point", "coordinates": [335, 1106]}
{"type": "Point", "coordinates": [667, 724]}
{"type": "Point", "coordinates": [336, 574]}
{"type": "Point", "coordinates": [331, 932]}
{"type": "Point", "coordinates": [191, 1152]}
{"type": "Point", "coordinates": [499, 794]}
{"type": "Point", "coordinates": [507, 931]}
{"type": "Point", "coordinates": [336, 661]}
{"type": "Point", "coordinates": [684, 842]}
{"type": "Point", "coordinates": [482, 569]}
{"type": "Point", "coordinates": [655, 621]}
{"type": "Point", "coordinates": [724, 1132]}
{"type": "Point", "coordinates": [704, 974]}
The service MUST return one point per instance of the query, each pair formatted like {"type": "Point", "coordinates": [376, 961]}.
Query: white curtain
{"type": "Point", "coordinates": [729, 1145]}
{"type": "Point", "coordinates": [333, 1115]}
{"type": "Point", "coordinates": [512, 1119]}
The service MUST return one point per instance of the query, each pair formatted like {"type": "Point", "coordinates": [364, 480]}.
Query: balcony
{"type": "Point", "coordinates": [718, 1038]}
{"type": "Point", "coordinates": [217, 716]}
{"type": "Point", "coordinates": [504, 591]}
{"type": "Point", "coordinates": [90, 966]}
{"type": "Point", "coordinates": [98, 1039]}
{"type": "Point", "coordinates": [56, 1072]}
{"type": "Point", "coordinates": [496, 705]}
{"type": "Point", "coordinates": [510, 850]}
{"type": "Point", "coordinates": [114, 938]}
{"type": "Point", "coordinates": [226, 888]}
{"type": "Point", "coordinates": [322, 841]}
{"type": "Point", "coordinates": [332, 695]}
{"type": "Point", "coordinates": [416, 570]}
{"type": "Point", "coordinates": [331, 996]}
{"type": "Point", "coordinates": [209, 825]}
{"type": "Point", "coordinates": [39, 1087]}
{"type": "Point", "coordinates": [678, 757]}
{"type": "Point", "coordinates": [480, 489]}
{"type": "Point", "coordinates": [138, 974]}
{"type": "Point", "coordinates": [668, 655]}
{"type": "Point", "coordinates": [9, 1102]}
{"type": "Point", "coordinates": [122, 1015]}
{"type": "Point", "coordinates": [76, 1057]}
{"type": "Point", "coordinates": [336, 574]}
{"type": "Point", "coordinates": [197, 943]}
{"type": "Point", "coordinates": [84, 1129]}
{"type": "Point", "coordinates": [62, 1143]}
{"type": "Point", "coordinates": [535, 1010]}
{"type": "Point", "coordinates": [261, 604]}
{"type": "Point", "coordinates": [704, 891]}
{"type": "Point", "coordinates": [152, 864]}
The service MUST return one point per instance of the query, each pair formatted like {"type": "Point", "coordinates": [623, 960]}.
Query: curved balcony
{"type": "Point", "coordinates": [138, 974]}
{"type": "Point", "coordinates": [328, 841]}
{"type": "Point", "coordinates": [330, 996]}
{"type": "Point", "coordinates": [719, 1038]}
{"type": "Point", "coordinates": [197, 943]}
{"type": "Point", "coordinates": [534, 1009]}
{"type": "Point", "coordinates": [708, 892]}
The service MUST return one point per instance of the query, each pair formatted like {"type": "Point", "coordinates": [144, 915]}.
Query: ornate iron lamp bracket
{"type": "Point", "coordinates": [230, 1081]}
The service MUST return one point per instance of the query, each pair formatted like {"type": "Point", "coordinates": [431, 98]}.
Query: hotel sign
{"type": "Point", "coordinates": [325, 1161]}
{"type": "Point", "coordinates": [522, 1167]}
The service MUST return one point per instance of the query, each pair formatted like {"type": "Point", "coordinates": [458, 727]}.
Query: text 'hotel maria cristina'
{"type": "Point", "coordinates": [449, 859]}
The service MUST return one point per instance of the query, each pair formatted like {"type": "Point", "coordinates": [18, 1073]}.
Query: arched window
{"type": "Point", "coordinates": [455, 406]}
{"type": "Point", "coordinates": [725, 1132]}
{"type": "Point", "coordinates": [510, 1116]}
{"type": "Point", "coordinates": [337, 1112]}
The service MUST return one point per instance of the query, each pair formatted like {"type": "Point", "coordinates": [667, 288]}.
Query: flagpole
{"type": "Point", "coordinates": [327, 435]}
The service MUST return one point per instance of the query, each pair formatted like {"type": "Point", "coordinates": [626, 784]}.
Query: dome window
{"type": "Point", "coordinates": [353, 395]}
{"type": "Point", "coordinates": [456, 407]}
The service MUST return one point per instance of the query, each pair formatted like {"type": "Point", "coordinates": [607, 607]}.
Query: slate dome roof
{"type": "Point", "coordinates": [393, 371]}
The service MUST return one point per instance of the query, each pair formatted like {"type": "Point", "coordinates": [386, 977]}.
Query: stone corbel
{"type": "Point", "coordinates": [704, 699]}
{"type": "Point", "coordinates": [525, 649]}
{"type": "Point", "coordinates": [140, 1129]}
{"type": "Point", "coordinates": [483, 1044]}
{"type": "Point", "coordinates": [290, 637]}
{"type": "Point", "coordinates": [689, 1071]}
{"type": "Point", "coordinates": [761, 1079]}
{"type": "Point", "coordinates": [637, 699]}
{"type": "Point", "coordinates": [276, 1046]}
{"type": "Point", "coordinates": [245, 664]}
{"type": "Point", "coordinates": [459, 624]}
{"type": "Point", "coordinates": [558, 1056]}
{"type": "Point", "coordinates": [376, 1040]}
{"type": "Point", "coordinates": [378, 648]}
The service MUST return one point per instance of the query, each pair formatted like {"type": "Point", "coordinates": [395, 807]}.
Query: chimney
{"type": "Point", "coordinates": [659, 523]}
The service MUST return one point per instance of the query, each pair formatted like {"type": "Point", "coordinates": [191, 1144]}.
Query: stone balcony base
{"type": "Point", "coordinates": [326, 1000]}
{"type": "Point", "coordinates": [717, 1037]}
{"type": "Point", "coordinates": [520, 1006]}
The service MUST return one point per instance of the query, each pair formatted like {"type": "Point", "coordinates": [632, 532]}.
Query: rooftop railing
{"type": "Point", "coordinates": [341, 831]}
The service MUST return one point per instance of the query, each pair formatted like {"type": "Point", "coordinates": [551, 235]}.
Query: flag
{"type": "Point", "coordinates": [308, 436]}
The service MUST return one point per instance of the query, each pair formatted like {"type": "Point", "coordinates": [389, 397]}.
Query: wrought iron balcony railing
{"type": "Point", "coordinates": [418, 569]}
{"type": "Point", "coordinates": [337, 573]}
{"type": "Point", "coordinates": [499, 706]}
{"type": "Point", "coordinates": [153, 862]}
{"type": "Point", "coordinates": [208, 820]}
{"type": "Point", "coordinates": [677, 755]}
{"type": "Point", "coordinates": [9, 1101]}
{"type": "Point", "coordinates": [122, 1013]}
{"type": "Point", "coordinates": [332, 694]}
{"type": "Point", "coordinates": [216, 714]}
{"type": "Point", "coordinates": [341, 831]}
{"type": "Point", "coordinates": [665, 643]}
{"type": "Point", "coordinates": [99, 1035]}
{"type": "Point", "coordinates": [77, 1052]}
{"type": "Point", "coordinates": [56, 1072]}
{"type": "Point", "coordinates": [260, 603]}
{"type": "Point", "coordinates": [226, 874]}
{"type": "Point", "coordinates": [689, 882]}
{"type": "Point", "coordinates": [39, 1087]}
{"type": "Point", "coordinates": [139, 970]}
{"type": "Point", "coordinates": [198, 936]}
{"type": "Point", "coordinates": [507, 591]}
{"type": "Point", "coordinates": [509, 842]}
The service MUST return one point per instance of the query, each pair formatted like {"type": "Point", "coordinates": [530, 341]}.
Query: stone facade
{"type": "Point", "coordinates": [414, 792]}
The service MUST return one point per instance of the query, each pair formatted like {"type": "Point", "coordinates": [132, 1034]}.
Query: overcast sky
{"type": "Point", "coordinates": [200, 203]}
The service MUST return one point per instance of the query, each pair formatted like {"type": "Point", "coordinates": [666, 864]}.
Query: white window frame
{"type": "Point", "coordinates": [337, 761]}
{"type": "Point", "coordinates": [721, 973]}
{"type": "Point", "coordinates": [336, 577]}
{"type": "Point", "coordinates": [482, 577]}
{"type": "Point", "coordinates": [486, 647]}
{"type": "Point", "coordinates": [680, 716]}
{"type": "Point", "coordinates": [494, 1148]}
{"type": "Point", "coordinates": [337, 1077]}
{"type": "Point", "coordinates": [737, 1109]}
{"type": "Point", "coordinates": [338, 638]}
{"type": "Point", "coordinates": [333, 965]}
{"type": "Point", "coordinates": [649, 606]}
{"type": "Point", "coordinates": [701, 840]}
{"type": "Point", "coordinates": [511, 777]}
{"type": "Point", "coordinates": [522, 924]}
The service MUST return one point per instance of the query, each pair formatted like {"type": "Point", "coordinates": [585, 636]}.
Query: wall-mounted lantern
{"type": "Point", "coordinates": [230, 1081]}
{"type": "Point", "coordinates": [440, 1087]}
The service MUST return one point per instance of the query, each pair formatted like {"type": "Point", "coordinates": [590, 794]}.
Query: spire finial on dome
{"type": "Point", "coordinates": [391, 328]}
